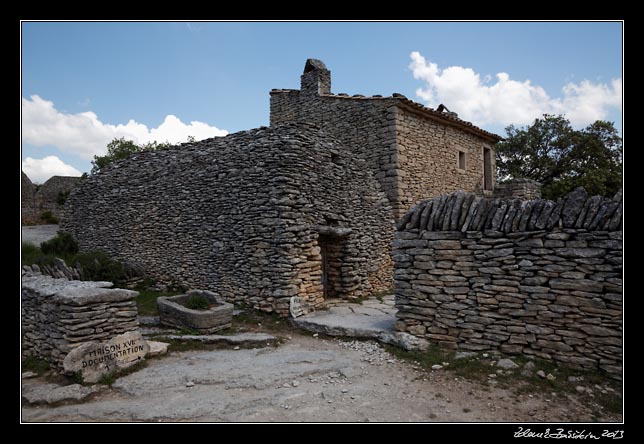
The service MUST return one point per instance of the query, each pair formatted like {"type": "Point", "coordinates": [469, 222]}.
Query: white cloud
{"type": "Point", "coordinates": [85, 135]}
{"type": "Point", "coordinates": [508, 101]}
{"type": "Point", "coordinates": [39, 170]}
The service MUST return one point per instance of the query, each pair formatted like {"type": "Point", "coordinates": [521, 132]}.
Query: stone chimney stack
{"type": "Point", "coordinates": [316, 79]}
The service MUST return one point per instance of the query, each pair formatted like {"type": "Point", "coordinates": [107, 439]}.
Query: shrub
{"type": "Point", "coordinates": [63, 245]}
{"type": "Point", "coordinates": [97, 266]}
{"type": "Point", "coordinates": [48, 217]}
{"type": "Point", "coordinates": [197, 302]}
{"type": "Point", "coordinates": [29, 253]}
{"type": "Point", "coordinates": [62, 197]}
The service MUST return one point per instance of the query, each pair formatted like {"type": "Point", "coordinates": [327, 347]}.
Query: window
{"type": "Point", "coordinates": [461, 160]}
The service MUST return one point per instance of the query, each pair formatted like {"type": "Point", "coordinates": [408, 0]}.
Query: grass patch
{"type": "Point", "coordinates": [146, 301]}
{"type": "Point", "coordinates": [34, 364]}
{"type": "Point", "coordinates": [197, 302]}
{"type": "Point", "coordinates": [253, 320]}
{"type": "Point", "coordinates": [478, 368]}
{"type": "Point", "coordinates": [48, 217]}
{"type": "Point", "coordinates": [30, 253]}
{"type": "Point", "coordinates": [434, 355]}
{"type": "Point", "coordinates": [108, 379]}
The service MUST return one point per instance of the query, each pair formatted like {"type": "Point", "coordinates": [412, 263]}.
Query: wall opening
{"type": "Point", "coordinates": [487, 169]}
{"type": "Point", "coordinates": [331, 251]}
{"type": "Point", "coordinates": [461, 160]}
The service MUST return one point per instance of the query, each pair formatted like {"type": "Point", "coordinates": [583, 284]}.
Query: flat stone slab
{"type": "Point", "coordinates": [350, 324]}
{"type": "Point", "coordinates": [240, 339]}
{"type": "Point", "coordinates": [48, 393]}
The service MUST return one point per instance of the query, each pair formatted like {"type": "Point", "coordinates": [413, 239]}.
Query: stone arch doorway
{"type": "Point", "coordinates": [332, 242]}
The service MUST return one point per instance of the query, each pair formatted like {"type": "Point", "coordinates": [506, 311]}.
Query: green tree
{"type": "Point", "coordinates": [561, 158]}
{"type": "Point", "coordinates": [121, 148]}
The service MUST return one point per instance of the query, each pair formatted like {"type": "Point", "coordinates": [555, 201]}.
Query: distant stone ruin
{"type": "Point", "coordinates": [48, 197]}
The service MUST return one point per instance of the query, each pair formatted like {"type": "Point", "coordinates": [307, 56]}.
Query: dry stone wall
{"type": "Point", "coordinates": [526, 189]}
{"type": "Point", "coordinates": [59, 315]}
{"type": "Point", "coordinates": [243, 216]}
{"type": "Point", "coordinates": [534, 277]}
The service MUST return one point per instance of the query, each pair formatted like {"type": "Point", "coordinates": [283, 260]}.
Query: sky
{"type": "Point", "coordinates": [86, 83]}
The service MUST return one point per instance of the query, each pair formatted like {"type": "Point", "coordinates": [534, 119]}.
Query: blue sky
{"type": "Point", "coordinates": [85, 83]}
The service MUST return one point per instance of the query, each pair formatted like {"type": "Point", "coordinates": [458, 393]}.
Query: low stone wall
{"type": "Point", "coordinates": [533, 277]}
{"type": "Point", "coordinates": [59, 315]}
{"type": "Point", "coordinates": [521, 188]}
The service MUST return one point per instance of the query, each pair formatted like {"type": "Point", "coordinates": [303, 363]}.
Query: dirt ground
{"type": "Point", "coordinates": [308, 379]}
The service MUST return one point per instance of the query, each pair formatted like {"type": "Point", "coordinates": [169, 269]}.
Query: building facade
{"type": "Point", "coordinates": [414, 152]}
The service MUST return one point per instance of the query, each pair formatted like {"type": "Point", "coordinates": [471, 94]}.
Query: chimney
{"type": "Point", "coordinates": [316, 79]}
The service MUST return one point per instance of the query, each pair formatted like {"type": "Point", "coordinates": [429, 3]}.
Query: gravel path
{"type": "Point", "coordinates": [305, 379]}
{"type": "Point", "coordinates": [35, 234]}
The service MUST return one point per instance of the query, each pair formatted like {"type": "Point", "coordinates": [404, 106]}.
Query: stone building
{"type": "Point", "coordinates": [304, 208]}
{"type": "Point", "coordinates": [258, 216]}
{"type": "Point", "coordinates": [415, 152]}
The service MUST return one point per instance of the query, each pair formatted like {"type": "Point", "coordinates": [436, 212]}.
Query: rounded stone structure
{"type": "Point", "coordinates": [257, 216]}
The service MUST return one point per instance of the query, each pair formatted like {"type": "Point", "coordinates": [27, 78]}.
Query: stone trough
{"type": "Point", "coordinates": [174, 313]}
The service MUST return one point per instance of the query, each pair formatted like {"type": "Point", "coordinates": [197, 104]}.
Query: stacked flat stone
{"type": "Point", "coordinates": [242, 216]}
{"type": "Point", "coordinates": [59, 315]}
{"type": "Point", "coordinates": [522, 188]}
{"type": "Point", "coordinates": [534, 277]}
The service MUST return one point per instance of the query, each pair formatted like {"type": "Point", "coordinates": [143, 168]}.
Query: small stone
{"type": "Point", "coordinates": [541, 374]}
{"type": "Point", "coordinates": [572, 379]}
{"type": "Point", "coordinates": [437, 367]}
{"type": "Point", "coordinates": [485, 355]}
{"type": "Point", "coordinates": [506, 364]}
{"type": "Point", "coordinates": [315, 335]}
{"type": "Point", "coordinates": [551, 377]}
{"type": "Point", "coordinates": [190, 384]}
{"type": "Point", "coordinates": [529, 365]}
{"type": "Point", "coordinates": [27, 375]}
{"type": "Point", "coordinates": [295, 383]}
{"type": "Point", "coordinates": [236, 347]}
{"type": "Point", "coordinates": [345, 391]}
{"type": "Point", "coordinates": [157, 348]}
{"type": "Point", "coordinates": [464, 355]}
{"type": "Point", "coordinates": [286, 385]}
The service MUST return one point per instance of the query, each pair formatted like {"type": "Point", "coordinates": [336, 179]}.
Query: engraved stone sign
{"type": "Point", "coordinates": [298, 307]}
{"type": "Point", "coordinates": [95, 359]}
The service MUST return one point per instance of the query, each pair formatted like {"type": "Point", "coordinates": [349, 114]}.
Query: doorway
{"type": "Point", "coordinates": [331, 248]}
